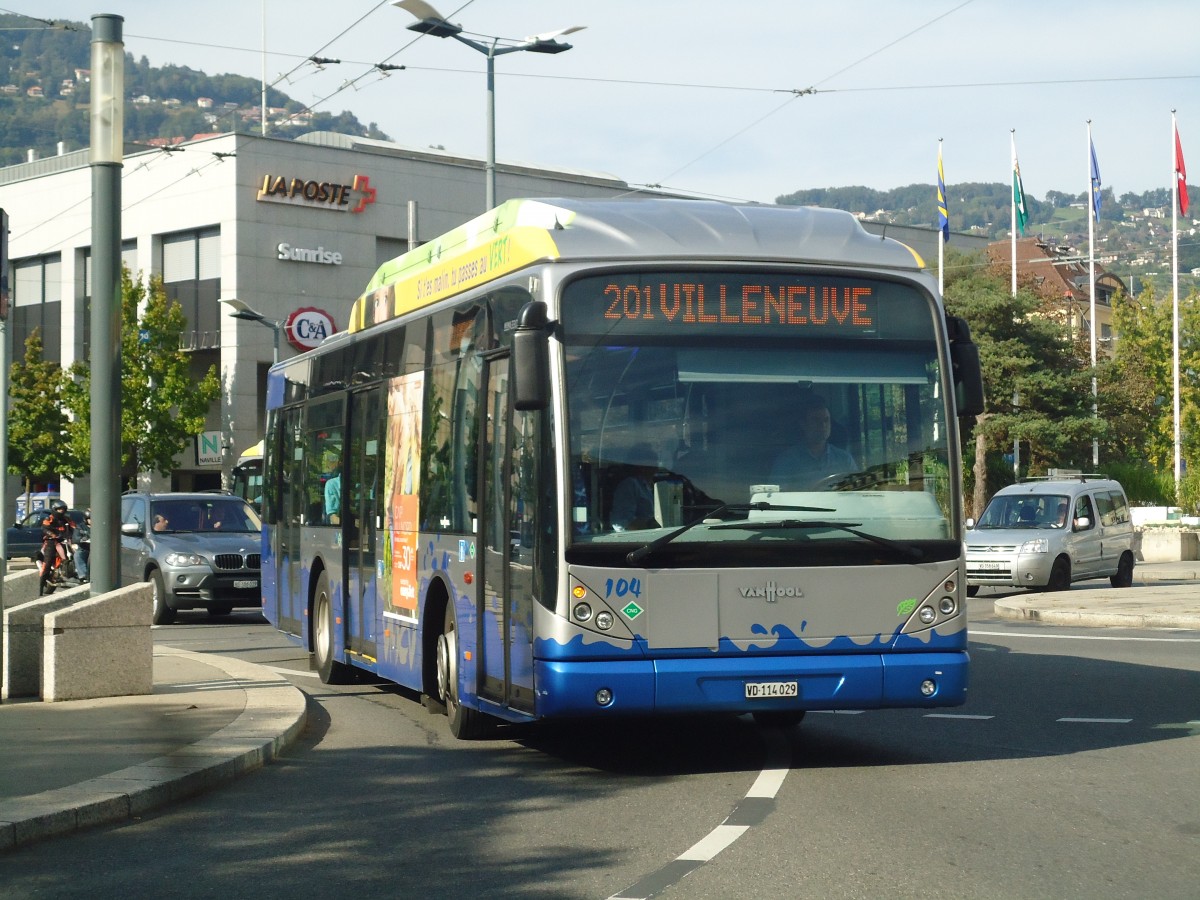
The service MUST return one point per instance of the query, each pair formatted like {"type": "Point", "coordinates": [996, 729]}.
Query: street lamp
{"type": "Point", "coordinates": [430, 21]}
{"type": "Point", "coordinates": [242, 311]}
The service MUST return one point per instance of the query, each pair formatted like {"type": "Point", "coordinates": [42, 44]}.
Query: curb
{"type": "Point", "coordinates": [274, 716]}
{"type": "Point", "coordinates": [1083, 610]}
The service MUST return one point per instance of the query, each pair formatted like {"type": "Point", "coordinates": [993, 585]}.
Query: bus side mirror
{"type": "Point", "coordinates": [531, 358]}
{"type": "Point", "coordinates": [968, 374]}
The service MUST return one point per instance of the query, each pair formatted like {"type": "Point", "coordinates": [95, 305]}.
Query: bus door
{"type": "Point", "coordinates": [288, 575]}
{"type": "Point", "coordinates": [505, 619]}
{"type": "Point", "coordinates": [363, 511]}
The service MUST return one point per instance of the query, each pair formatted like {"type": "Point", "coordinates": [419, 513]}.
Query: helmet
{"type": "Point", "coordinates": [58, 506]}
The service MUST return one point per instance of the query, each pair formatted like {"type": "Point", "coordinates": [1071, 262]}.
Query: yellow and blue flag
{"type": "Point", "coordinates": [943, 213]}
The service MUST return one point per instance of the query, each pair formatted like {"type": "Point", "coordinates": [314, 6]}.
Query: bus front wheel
{"type": "Point", "coordinates": [465, 724]}
{"type": "Point", "coordinates": [329, 669]}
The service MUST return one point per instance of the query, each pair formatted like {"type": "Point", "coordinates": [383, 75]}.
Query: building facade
{"type": "Point", "coordinates": [292, 229]}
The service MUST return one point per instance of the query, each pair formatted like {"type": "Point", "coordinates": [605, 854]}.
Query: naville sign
{"type": "Point", "coordinates": [208, 448]}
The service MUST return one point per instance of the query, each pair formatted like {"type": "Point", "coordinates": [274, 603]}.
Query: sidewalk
{"type": "Point", "coordinates": [1164, 595]}
{"type": "Point", "coordinates": [71, 765]}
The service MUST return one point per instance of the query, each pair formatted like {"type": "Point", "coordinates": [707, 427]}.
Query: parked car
{"type": "Point", "coordinates": [199, 551]}
{"type": "Point", "coordinates": [24, 538]}
{"type": "Point", "coordinates": [1050, 532]}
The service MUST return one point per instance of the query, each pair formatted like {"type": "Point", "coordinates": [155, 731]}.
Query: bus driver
{"type": "Point", "coordinates": [803, 465]}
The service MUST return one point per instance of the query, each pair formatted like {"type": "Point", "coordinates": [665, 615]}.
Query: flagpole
{"type": "Point", "coordinates": [1012, 135]}
{"type": "Point", "coordinates": [1093, 179]}
{"type": "Point", "coordinates": [1012, 138]}
{"type": "Point", "coordinates": [1175, 290]}
{"type": "Point", "coordinates": [941, 236]}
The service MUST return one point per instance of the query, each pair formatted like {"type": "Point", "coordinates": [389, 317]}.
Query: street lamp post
{"type": "Point", "coordinates": [244, 312]}
{"type": "Point", "coordinates": [430, 21]}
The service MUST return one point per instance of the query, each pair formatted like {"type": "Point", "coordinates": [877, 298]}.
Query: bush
{"type": "Point", "coordinates": [1144, 485]}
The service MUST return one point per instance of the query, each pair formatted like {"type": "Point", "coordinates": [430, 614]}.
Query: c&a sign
{"type": "Point", "coordinates": [307, 327]}
{"type": "Point", "coordinates": [353, 197]}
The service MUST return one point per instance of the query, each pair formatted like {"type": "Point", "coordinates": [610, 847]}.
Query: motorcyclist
{"type": "Point", "coordinates": [57, 532]}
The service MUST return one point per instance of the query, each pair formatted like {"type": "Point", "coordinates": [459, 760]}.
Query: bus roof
{"type": "Point", "coordinates": [521, 232]}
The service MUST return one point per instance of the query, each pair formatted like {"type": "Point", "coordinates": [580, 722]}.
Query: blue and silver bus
{"type": "Point", "coordinates": [564, 462]}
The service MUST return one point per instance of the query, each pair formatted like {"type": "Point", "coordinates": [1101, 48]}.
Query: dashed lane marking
{"type": "Point", "coordinates": [754, 807]}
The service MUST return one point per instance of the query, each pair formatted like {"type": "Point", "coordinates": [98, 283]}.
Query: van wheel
{"type": "Point", "coordinates": [1123, 577]}
{"type": "Point", "coordinates": [1060, 575]}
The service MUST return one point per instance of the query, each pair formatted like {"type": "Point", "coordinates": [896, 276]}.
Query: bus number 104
{"type": "Point", "coordinates": [622, 587]}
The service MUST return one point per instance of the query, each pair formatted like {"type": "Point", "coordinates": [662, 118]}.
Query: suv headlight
{"type": "Point", "coordinates": [1037, 545]}
{"type": "Point", "coordinates": [176, 558]}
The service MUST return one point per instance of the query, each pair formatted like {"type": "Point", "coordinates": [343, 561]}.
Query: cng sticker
{"type": "Point", "coordinates": [632, 610]}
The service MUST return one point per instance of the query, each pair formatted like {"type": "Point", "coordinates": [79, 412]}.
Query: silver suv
{"type": "Point", "coordinates": [1049, 532]}
{"type": "Point", "coordinates": [199, 551]}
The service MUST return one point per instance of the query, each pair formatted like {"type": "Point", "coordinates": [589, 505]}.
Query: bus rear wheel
{"type": "Point", "coordinates": [329, 669]}
{"type": "Point", "coordinates": [465, 724]}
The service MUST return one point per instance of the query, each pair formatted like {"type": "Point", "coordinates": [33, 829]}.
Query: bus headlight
{"type": "Point", "coordinates": [604, 619]}
{"type": "Point", "coordinates": [927, 614]}
{"type": "Point", "coordinates": [582, 612]}
{"type": "Point", "coordinates": [947, 606]}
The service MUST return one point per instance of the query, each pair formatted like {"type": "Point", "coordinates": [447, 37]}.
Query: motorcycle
{"type": "Point", "coordinates": [58, 569]}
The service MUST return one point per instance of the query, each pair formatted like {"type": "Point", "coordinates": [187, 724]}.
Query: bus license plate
{"type": "Point", "coordinates": [756, 690]}
{"type": "Point", "coordinates": [250, 583]}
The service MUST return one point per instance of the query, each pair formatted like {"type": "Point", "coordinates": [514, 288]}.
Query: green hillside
{"type": "Point", "coordinates": [45, 94]}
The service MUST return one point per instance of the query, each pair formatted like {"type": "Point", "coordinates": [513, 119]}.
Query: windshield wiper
{"type": "Point", "coordinates": [848, 527]}
{"type": "Point", "coordinates": [636, 556]}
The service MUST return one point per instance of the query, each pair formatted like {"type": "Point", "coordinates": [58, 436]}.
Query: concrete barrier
{"type": "Point", "coordinates": [24, 621]}
{"type": "Point", "coordinates": [100, 647]}
{"type": "Point", "coordinates": [1169, 545]}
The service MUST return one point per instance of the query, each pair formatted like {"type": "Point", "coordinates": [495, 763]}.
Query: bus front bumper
{"type": "Point", "coordinates": [712, 685]}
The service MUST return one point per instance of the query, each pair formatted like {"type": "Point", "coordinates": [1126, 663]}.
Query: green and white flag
{"type": "Point", "coordinates": [1022, 213]}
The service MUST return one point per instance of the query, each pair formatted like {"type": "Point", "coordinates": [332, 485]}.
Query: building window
{"type": "Point", "coordinates": [191, 274]}
{"type": "Point", "coordinates": [37, 304]}
{"type": "Point", "coordinates": [83, 309]}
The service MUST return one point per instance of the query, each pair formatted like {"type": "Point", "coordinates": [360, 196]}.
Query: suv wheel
{"type": "Point", "coordinates": [163, 614]}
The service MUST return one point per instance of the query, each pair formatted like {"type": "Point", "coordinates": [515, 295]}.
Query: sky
{"type": "Point", "coordinates": [712, 98]}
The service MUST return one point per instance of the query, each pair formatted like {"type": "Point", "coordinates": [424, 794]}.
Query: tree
{"type": "Point", "coordinates": [163, 405]}
{"type": "Point", "coordinates": [1138, 383]}
{"type": "Point", "coordinates": [1038, 385]}
{"type": "Point", "coordinates": [38, 424]}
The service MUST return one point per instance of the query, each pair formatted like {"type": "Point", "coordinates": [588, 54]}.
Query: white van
{"type": "Point", "coordinates": [1049, 532]}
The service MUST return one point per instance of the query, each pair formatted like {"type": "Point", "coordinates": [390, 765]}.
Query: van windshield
{"type": "Point", "coordinates": [1027, 511]}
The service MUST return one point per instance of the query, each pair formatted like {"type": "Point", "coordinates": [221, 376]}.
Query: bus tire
{"type": "Point", "coordinates": [163, 614]}
{"type": "Point", "coordinates": [465, 724]}
{"type": "Point", "coordinates": [779, 718]}
{"type": "Point", "coordinates": [329, 669]}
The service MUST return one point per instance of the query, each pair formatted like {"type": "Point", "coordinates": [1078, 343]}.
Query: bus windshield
{"type": "Point", "coordinates": [794, 424]}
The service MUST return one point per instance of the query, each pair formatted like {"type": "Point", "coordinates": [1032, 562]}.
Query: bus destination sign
{"type": "Point", "coordinates": [715, 302]}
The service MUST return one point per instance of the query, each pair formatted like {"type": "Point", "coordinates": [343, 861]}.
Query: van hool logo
{"type": "Point", "coordinates": [352, 197]}
{"type": "Point", "coordinates": [771, 592]}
